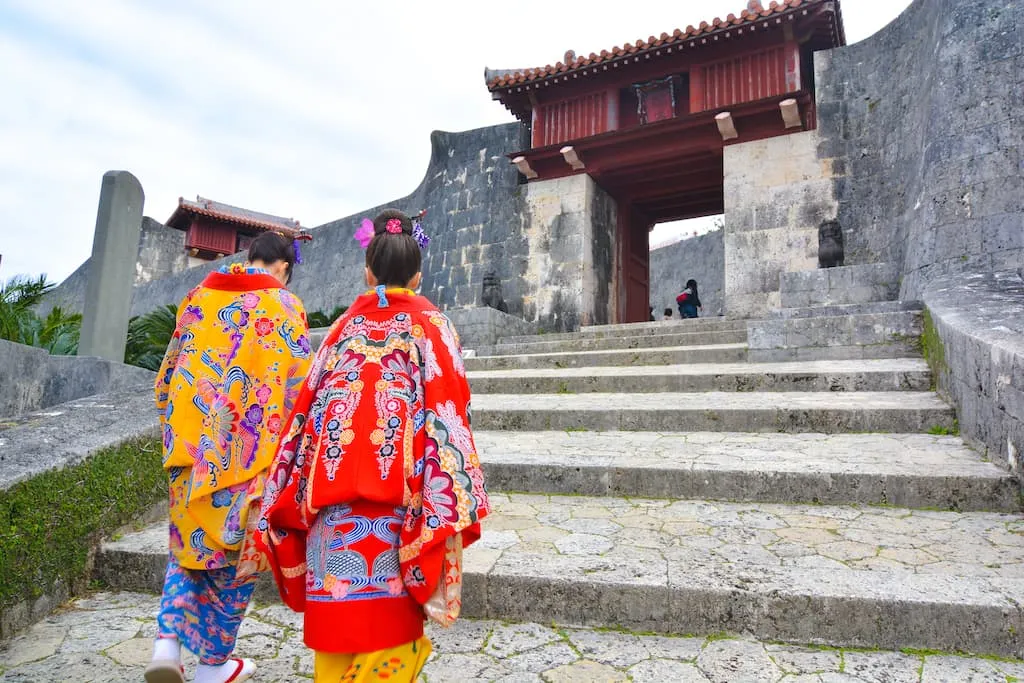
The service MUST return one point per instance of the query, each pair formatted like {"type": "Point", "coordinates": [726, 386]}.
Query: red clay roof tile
{"type": "Point", "coordinates": [754, 12]}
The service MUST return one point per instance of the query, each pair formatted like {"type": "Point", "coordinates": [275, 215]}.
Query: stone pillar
{"type": "Point", "coordinates": [777, 193]}
{"type": "Point", "coordinates": [115, 246]}
{"type": "Point", "coordinates": [571, 239]}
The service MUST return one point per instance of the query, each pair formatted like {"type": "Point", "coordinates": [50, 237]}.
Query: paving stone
{"type": "Point", "coordinates": [493, 651]}
{"type": "Point", "coordinates": [585, 670]}
{"type": "Point", "coordinates": [39, 642]}
{"type": "Point", "coordinates": [135, 652]}
{"type": "Point", "coordinates": [795, 660]}
{"type": "Point", "coordinates": [614, 649]}
{"type": "Point", "coordinates": [542, 659]}
{"type": "Point", "coordinates": [882, 667]}
{"type": "Point", "coordinates": [100, 636]}
{"type": "Point", "coordinates": [949, 669]}
{"type": "Point", "coordinates": [725, 661]}
{"type": "Point", "coordinates": [676, 355]}
{"type": "Point", "coordinates": [508, 640]}
{"type": "Point", "coordinates": [661, 670]}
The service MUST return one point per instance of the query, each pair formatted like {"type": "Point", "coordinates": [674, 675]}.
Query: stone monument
{"type": "Point", "coordinates": [108, 293]}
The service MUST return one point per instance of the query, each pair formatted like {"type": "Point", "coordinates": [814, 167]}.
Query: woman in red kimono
{"type": "Point", "coordinates": [378, 473]}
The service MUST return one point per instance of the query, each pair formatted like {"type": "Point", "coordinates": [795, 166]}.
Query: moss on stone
{"type": "Point", "coordinates": [932, 349]}
{"type": "Point", "coordinates": [50, 524]}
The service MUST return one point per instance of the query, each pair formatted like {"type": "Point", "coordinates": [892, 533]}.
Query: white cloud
{"type": "Point", "coordinates": [312, 110]}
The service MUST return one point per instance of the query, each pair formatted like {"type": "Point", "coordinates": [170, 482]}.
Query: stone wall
{"type": "Point", "coordinates": [974, 341]}
{"type": "Point", "coordinates": [482, 327]}
{"type": "Point", "coordinates": [161, 254]}
{"type": "Point", "coordinates": [68, 476]}
{"type": "Point", "coordinates": [475, 218]}
{"type": "Point", "coordinates": [31, 379]}
{"type": "Point", "coordinates": [701, 258]}
{"type": "Point", "coordinates": [570, 233]}
{"type": "Point", "coordinates": [777, 192]}
{"type": "Point", "coordinates": [928, 116]}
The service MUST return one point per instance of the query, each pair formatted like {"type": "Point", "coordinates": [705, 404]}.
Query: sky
{"type": "Point", "coordinates": [312, 110]}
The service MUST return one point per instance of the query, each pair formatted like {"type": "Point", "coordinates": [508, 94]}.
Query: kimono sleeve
{"type": "Point", "coordinates": [448, 495]}
{"type": "Point", "coordinates": [162, 386]}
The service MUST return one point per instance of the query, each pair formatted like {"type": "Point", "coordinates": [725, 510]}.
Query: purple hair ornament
{"type": "Point", "coordinates": [364, 235]}
{"type": "Point", "coordinates": [418, 233]}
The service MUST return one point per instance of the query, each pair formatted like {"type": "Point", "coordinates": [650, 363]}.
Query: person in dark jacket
{"type": "Point", "coordinates": [689, 300]}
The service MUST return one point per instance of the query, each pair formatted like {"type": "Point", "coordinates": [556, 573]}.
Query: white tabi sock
{"type": "Point", "coordinates": [167, 649]}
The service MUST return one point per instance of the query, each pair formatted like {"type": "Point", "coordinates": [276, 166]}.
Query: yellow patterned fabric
{"type": "Point", "coordinates": [401, 664]}
{"type": "Point", "coordinates": [234, 366]}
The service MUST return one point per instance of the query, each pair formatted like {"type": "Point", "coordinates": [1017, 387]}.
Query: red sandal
{"type": "Point", "coordinates": [244, 669]}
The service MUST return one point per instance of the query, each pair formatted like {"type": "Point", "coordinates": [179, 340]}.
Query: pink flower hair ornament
{"type": "Point", "coordinates": [364, 233]}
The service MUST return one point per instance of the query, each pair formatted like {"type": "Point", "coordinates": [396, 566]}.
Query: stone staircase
{"type": "Point", "coordinates": [649, 478]}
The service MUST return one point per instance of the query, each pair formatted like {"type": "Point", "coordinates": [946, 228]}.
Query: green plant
{"type": "Point", "coordinates": [50, 523]}
{"type": "Point", "coordinates": [940, 430]}
{"type": "Point", "coordinates": [318, 319]}
{"type": "Point", "coordinates": [57, 332]}
{"type": "Point", "coordinates": [148, 337]}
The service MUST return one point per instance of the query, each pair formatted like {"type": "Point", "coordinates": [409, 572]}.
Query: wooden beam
{"type": "Point", "coordinates": [524, 167]}
{"type": "Point", "coordinates": [726, 126]}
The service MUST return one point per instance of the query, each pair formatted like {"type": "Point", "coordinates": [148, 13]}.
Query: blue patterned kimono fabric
{"type": "Point", "coordinates": [203, 609]}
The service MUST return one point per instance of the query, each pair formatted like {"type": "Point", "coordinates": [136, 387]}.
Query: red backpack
{"type": "Point", "coordinates": [683, 297]}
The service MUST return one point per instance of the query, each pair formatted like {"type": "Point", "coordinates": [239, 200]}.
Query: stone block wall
{"type": "Point", "coordinates": [701, 258]}
{"type": "Point", "coordinates": [777, 192]}
{"type": "Point", "coordinates": [975, 345]}
{"type": "Point", "coordinates": [928, 118]}
{"type": "Point", "coordinates": [475, 218]}
{"type": "Point", "coordinates": [482, 327]}
{"type": "Point", "coordinates": [570, 243]}
{"type": "Point", "coordinates": [840, 286]}
{"type": "Point", "coordinates": [31, 379]}
{"type": "Point", "coordinates": [161, 255]}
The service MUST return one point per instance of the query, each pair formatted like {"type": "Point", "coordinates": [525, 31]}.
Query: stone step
{"type": "Point", "coordinates": [860, 284]}
{"type": "Point", "coordinates": [825, 412]}
{"type": "Point", "coordinates": [841, 337]}
{"type": "Point", "coordinates": [541, 345]}
{"type": "Point", "coordinates": [105, 637]}
{"type": "Point", "coordinates": [908, 470]}
{"type": "Point", "coordinates": [871, 577]}
{"type": "Point", "coordinates": [674, 355]}
{"type": "Point", "coordinates": [635, 330]}
{"type": "Point", "coordinates": [903, 374]}
{"type": "Point", "coordinates": [846, 309]}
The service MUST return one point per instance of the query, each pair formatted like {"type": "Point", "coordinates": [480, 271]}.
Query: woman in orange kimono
{"type": "Point", "coordinates": [231, 373]}
{"type": "Point", "coordinates": [377, 474]}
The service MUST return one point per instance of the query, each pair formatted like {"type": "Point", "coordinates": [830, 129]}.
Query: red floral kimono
{"type": "Point", "coordinates": [378, 469]}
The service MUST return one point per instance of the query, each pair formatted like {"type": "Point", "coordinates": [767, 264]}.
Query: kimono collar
{"type": "Point", "coordinates": [236, 277]}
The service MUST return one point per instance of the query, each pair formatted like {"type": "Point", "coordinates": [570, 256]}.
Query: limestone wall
{"type": "Point", "coordinates": [974, 342]}
{"type": "Point", "coordinates": [570, 232]}
{"type": "Point", "coordinates": [31, 379]}
{"type": "Point", "coordinates": [475, 218]}
{"type": "Point", "coordinates": [777, 192]}
{"type": "Point", "coordinates": [928, 117]}
{"type": "Point", "coordinates": [161, 254]}
{"type": "Point", "coordinates": [701, 258]}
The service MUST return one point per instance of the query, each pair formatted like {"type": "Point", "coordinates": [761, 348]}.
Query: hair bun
{"type": "Point", "coordinates": [392, 222]}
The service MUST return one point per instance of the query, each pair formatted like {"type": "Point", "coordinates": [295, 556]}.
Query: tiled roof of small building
{"type": "Point", "coordinates": [754, 12]}
{"type": "Point", "coordinates": [232, 214]}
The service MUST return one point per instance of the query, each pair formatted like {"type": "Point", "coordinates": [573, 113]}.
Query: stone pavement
{"type": "Point", "coordinates": [106, 638]}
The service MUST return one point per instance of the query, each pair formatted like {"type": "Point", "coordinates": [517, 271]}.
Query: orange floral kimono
{"type": "Point", "coordinates": [377, 470]}
{"type": "Point", "coordinates": [232, 370]}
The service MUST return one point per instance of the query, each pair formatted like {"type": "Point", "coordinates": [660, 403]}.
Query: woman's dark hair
{"type": "Point", "coordinates": [668, 312]}
{"type": "Point", "coordinates": [692, 285]}
{"type": "Point", "coordinates": [393, 258]}
{"type": "Point", "coordinates": [270, 247]}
